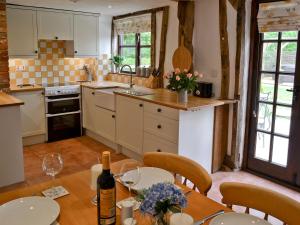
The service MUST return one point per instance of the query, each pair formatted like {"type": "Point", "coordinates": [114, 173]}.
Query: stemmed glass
{"type": "Point", "coordinates": [52, 164]}
{"type": "Point", "coordinates": [130, 175]}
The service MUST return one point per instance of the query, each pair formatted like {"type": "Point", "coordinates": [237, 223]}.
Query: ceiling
{"type": "Point", "coordinates": [105, 7]}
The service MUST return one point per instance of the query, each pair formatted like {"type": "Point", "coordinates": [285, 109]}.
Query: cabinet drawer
{"type": "Point", "coordinates": [162, 127]}
{"type": "Point", "coordinates": [160, 110]}
{"type": "Point", "coordinates": [153, 143]}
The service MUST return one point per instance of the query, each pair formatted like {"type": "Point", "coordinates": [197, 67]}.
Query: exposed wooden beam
{"type": "Point", "coordinates": [153, 39]}
{"type": "Point", "coordinates": [234, 3]}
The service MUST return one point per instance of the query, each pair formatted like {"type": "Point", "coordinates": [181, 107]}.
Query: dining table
{"type": "Point", "coordinates": [77, 209]}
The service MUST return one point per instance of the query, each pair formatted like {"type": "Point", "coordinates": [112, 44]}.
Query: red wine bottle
{"type": "Point", "coordinates": [106, 194]}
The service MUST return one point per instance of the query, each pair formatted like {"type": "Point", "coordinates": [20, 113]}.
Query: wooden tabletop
{"type": "Point", "coordinates": [8, 100]}
{"type": "Point", "coordinates": [77, 209]}
{"type": "Point", "coordinates": [169, 98]}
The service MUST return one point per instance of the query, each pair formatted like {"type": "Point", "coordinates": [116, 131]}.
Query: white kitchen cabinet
{"type": "Point", "coordinates": [55, 25]}
{"type": "Point", "coordinates": [95, 118]}
{"type": "Point", "coordinates": [105, 123]}
{"type": "Point", "coordinates": [88, 108]}
{"type": "Point", "coordinates": [86, 29]}
{"type": "Point", "coordinates": [129, 123]}
{"type": "Point", "coordinates": [33, 118]}
{"type": "Point", "coordinates": [22, 32]}
{"type": "Point", "coordinates": [153, 143]}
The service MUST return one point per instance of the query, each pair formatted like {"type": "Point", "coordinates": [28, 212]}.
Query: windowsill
{"type": "Point", "coordinates": [128, 74]}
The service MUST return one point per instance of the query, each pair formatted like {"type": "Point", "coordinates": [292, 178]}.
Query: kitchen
{"type": "Point", "coordinates": [89, 77]}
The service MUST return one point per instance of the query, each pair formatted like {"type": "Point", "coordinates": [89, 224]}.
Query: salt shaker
{"type": "Point", "coordinates": [126, 210]}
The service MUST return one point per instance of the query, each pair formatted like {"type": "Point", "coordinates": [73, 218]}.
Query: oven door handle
{"type": "Point", "coordinates": [61, 99]}
{"type": "Point", "coordinates": [62, 114]}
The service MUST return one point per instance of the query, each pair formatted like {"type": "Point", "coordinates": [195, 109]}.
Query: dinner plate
{"type": "Point", "coordinates": [233, 218]}
{"type": "Point", "coordinates": [149, 176]}
{"type": "Point", "coordinates": [33, 210]}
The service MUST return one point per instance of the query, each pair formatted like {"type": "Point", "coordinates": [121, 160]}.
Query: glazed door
{"type": "Point", "coordinates": [275, 124]}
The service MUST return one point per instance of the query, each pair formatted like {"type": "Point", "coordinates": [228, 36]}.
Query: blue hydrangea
{"type": "Point", "coordinates": [162, 192]}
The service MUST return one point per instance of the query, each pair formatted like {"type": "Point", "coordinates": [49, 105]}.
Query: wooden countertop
{"type": "Point", "coordinates": [168, 98]}
{"type": "Point", "coordinates": [35, 87]}
{"type": "Point", "coordinates": [8, 100]}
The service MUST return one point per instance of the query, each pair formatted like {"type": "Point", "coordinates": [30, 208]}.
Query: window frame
{"type": "Point", "coordinates": [138, 46]}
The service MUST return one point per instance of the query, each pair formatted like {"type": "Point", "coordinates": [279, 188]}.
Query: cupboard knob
{"type": "Point", "coordinates": [75, 52]}
{"type": "Point", "coordinates": [93, 93]}
{"type": "Point", "coordinates": [158, 110]}
{"type": "Point", "coordinates": [158, 150]}
{"type": "Point", "coordinates": [141, 105]}
{"type": "Point", "coordinates": [113, 116]}
{"type": "Point", "coordinates": [159, 126]}
{"type": "Point", "coordinates": [35, 51]}
{"type": "Point", "coordinates": [56, 38]}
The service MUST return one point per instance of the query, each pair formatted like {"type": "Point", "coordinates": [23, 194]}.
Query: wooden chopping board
{"type": "Point", "coordinates": [182, 57]}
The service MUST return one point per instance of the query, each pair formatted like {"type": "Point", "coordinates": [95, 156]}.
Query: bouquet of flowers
{"type": "Point", "coordinates": [182, 80]}
{"type": "Point", "coordinates": [161, 198]}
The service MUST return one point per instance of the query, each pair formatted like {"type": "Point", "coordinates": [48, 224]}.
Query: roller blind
{"type": "Point", "coordinates": [135, 24]}
{"type": "Point", "coordinates": [279, 16]}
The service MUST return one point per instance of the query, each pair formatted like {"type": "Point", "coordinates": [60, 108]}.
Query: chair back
{"type": "Point", "coordinates": [270, 202]}
{"type": "Point", "coordinates": [180, 165]}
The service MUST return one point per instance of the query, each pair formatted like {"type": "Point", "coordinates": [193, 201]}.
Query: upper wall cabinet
{"type": "Point", "coordinates": [86, 35]}
{"type": "Point", "coordinates": [55, 25]}
{"type": "Point", "coordinates": [22, 32]}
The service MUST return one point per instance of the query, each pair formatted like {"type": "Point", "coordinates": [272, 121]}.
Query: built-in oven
{"type": "Point", "coordinates": [63, 114]}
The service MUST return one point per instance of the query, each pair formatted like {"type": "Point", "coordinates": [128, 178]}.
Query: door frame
{"type": "Point", "coordinates": [254, 63]}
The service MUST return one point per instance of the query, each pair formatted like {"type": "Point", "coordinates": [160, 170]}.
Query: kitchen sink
{"type": "Point", "coordinates": [134, 92]}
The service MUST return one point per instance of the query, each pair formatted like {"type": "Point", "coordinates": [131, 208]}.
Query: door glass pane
{"type": "Point", "coordinates": [270, 36]}
{"type": "Point", "coordinates": [285, 83]}
{"type": "Point", "coordinates": [262, 146]}
{"type": "Point", "coordinates": [288, 57]}
{"type": "Point", "coordinates": [128, 39]}
{"type": "Point", "coordinates": [290, 35]}
{"type": "Point", "coordinates": [283, 120]}
{"type": "Point", "coordinates": [146, 38]}
{"type": "Point", "coordinates": [280, 151]}
{"type": "Point", "coordinates": [269, 56]}
{"type": "Point", "coordinates": [145, 57]}
{"type": "Point", "coordinates": [264, 121]}
{"type": "Point", "coordinates": [267, 82]}
{"type": "Point", "coordinates": [129, 54]}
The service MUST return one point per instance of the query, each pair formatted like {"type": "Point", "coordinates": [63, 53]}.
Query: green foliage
{"type": "Point", "coordinates": [181, 81]}
{"type": "Point", "coordinates": [117, 60]}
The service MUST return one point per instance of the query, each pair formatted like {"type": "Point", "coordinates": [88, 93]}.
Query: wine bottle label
{"type": "Point", "coordinates": [107, 206]}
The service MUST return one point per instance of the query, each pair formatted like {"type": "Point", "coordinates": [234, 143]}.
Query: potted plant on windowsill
{"type": "Point", "coordinates": [117, 60]}
{"type": "Point", "coordinates": [183, 82]}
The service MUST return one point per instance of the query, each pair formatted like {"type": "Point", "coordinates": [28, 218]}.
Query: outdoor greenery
{"type": "Point", "coordinates": [129, 53]}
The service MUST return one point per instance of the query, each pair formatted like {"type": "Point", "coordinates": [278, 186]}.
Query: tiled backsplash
{"type": "Point", "coordinates": [52, 67]}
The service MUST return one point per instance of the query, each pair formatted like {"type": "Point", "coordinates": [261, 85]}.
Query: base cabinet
{"type": "Point", "coordinates": [33, 118]}
{"type": "Point", "coordinates": [129, 123]}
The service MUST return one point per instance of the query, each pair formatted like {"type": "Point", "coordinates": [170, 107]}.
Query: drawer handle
{"type": "Point", "coordinates": [159, 110]}
{"type": "Point", "coordinates": [93, 93]}
{"type": "Point", "coordinates": [159, 126]}
{"type": "Point", "coordinates": [56, 38]}
{"type": "Point", "coordinates": [113, 116]}
{"type": "Point", "coordinates": [158, 150]}
{"type": "Point", "coordinates": [141, 105]}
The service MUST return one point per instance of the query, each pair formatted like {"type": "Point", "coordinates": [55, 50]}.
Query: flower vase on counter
{"type": "Point", "coordinates": [117, 60]}
{"type": "Point", "coordinates": [183, 82]}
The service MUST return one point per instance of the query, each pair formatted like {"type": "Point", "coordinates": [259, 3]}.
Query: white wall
{"type": "Point", "coordinates": [105, 35]}
{"type": "Point", "coordinates": [206, 42]}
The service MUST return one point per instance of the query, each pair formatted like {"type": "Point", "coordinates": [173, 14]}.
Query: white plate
{"type": "Point", "coordinates": [33, 210]}
{"type": "Point", "coordinates": [150, 176]}
{"type": "Point", "coordinates": [237, 219]}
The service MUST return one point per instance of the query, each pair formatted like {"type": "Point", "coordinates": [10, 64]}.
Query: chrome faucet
{"type": "Point", "coordinates": [131, 74]}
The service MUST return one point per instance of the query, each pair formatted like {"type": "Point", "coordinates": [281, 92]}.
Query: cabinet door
{"type": "Point", "coordinates": [88, 109]}
{"type": "Point", "coordinates": [55, 25]}
{"type": "Point", "coordinates": [21, 23]}
{"type": "Point", "coordinates": [129, 113]}
{"type": "Point", "coordinates": [33, 117]}
{"type": "Point", "coordinates": [105, 123]}
{"type": "Point", "coordinates": [86, 35]}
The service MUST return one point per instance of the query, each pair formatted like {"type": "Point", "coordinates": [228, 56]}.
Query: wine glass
{"type": "Point", "coordinates": [52, 164]}
{"type": "Point", "coordinates": [130, 174]}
